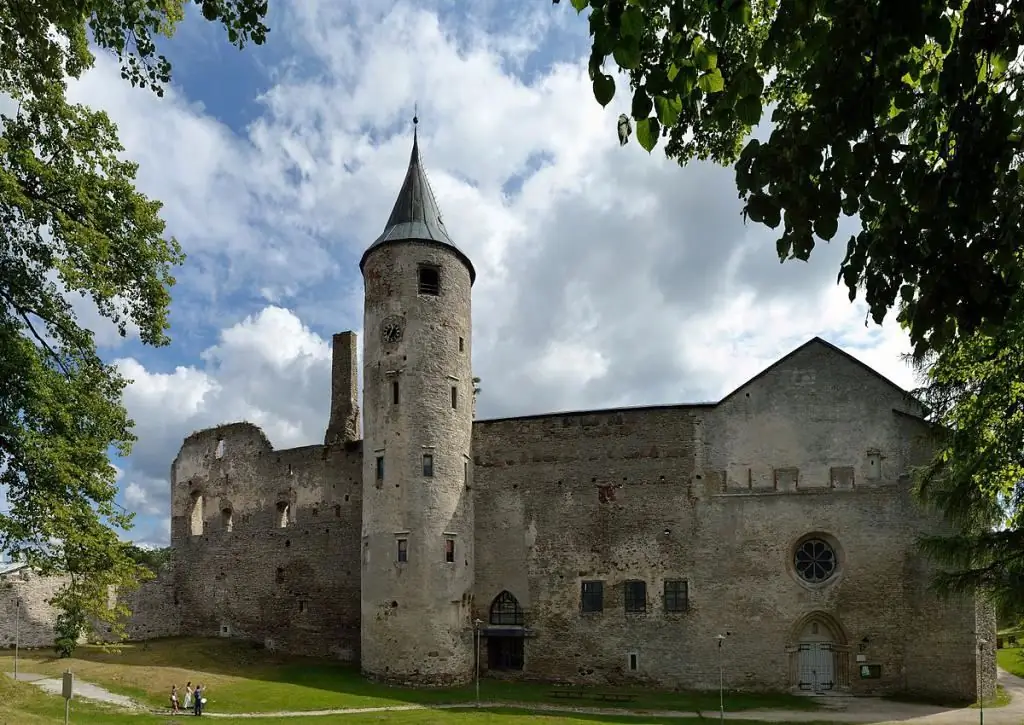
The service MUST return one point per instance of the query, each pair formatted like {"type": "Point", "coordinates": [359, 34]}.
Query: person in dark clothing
{"type": "Point", "coordinates": [199, 693]}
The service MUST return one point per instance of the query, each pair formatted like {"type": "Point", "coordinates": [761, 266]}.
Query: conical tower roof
{"type": "Point", "coordinates": [416, 217]}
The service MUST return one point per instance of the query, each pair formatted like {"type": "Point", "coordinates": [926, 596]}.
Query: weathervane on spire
{"type": "Point", "coordinates": [415, 119]}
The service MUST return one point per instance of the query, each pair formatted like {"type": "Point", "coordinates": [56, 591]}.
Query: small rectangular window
{"type": "Point", "coordinates": [465, 472]}
{"type": "Point", "coordinates": [449, 551]}
{"type": "Point", "coordinates": [403, 550]}
{"type": "Point", "coordinates": [429, 280]}
{"type": "Point", "coordinates": [394, 392]}
{"type": "Point", "coordinates": [592, 596]}
{"type": "Point", "coordinates": [462, 345]}
{"type": "Point", "coordinates": [636, 596]}
{"type": "Point", "coordinates": [428, 465]}
{"type": "Point", "coordinates": [380, 468]}
{"type": "Point", "coordinates": [455, 397]}
{"type": "Point", "coordinates": [676, 595]}
{"type": "Point", "coordinates": [633, 662]}
{"type": "Point", "coordinates": [302, 605]}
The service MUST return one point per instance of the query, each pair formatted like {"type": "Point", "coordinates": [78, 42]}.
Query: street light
{"type": "Point", "coordinates": [17, 633]}
{"type": "Point", "coordinates": [476, 626]}
{"type": "Point", "coordinates": [721, 678]}
{"type": "Point", "coordinates": [981, 681]}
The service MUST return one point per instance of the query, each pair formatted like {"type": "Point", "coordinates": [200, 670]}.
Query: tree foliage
{"type": "Point", "coordinates": [903, 114]}
{"type": "Point", "coordinates": [71, 220]}
{"type": "Point", "coordinates": [975, 390]}
{"type": "Point", "coordinates": [907, 117]}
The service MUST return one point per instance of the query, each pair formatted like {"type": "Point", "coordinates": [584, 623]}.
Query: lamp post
{"type": "Point", "coordinates": [981, 681]}
{"type": "Point", "coordinates": [721, 679]}
{"type": "Point", "coordinates": [476, 627]}
{"type": "Point", "coordinates": [17, 633]}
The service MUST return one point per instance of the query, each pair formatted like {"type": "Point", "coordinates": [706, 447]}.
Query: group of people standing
{"type": "Point", "coordinates": [194, 699]}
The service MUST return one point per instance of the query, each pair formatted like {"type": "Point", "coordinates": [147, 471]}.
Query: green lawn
{"type": "Point", "coordinates": [23, 704]}
{"type": "Point", "coordinates": [242, 678]}
{"type": "Point", "coordinates": [1011, 659]}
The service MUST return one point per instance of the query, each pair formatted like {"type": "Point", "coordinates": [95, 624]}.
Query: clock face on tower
{"type": "Point", "coordinates": [391, 329]}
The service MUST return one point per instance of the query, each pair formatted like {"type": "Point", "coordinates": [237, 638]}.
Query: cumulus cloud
{"type": "Point", "coordinates": [605, 276]}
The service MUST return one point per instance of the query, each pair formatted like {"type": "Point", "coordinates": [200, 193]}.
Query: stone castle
{"type": "Point", "coordinates": [771, 533]}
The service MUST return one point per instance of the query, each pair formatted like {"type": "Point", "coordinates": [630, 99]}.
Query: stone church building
{"type": "Point", "coordinates": [771, 532]}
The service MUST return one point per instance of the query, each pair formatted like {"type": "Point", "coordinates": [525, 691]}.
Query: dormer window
{"type": "Point", "coordinates": [429, 279]}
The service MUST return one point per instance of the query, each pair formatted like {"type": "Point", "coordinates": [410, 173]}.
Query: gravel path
{"type": "Point", "coordinates": [838, 709]}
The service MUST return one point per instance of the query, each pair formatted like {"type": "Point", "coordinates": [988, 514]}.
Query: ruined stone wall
{"type": "Point", "coordinates": [35, 623]}
{"type": "Point", "coordinates": [720, 496]}
{"type": "Point", "coordinates": [154, 607]}
{"type": "Point", "coordinates": [266, 542]}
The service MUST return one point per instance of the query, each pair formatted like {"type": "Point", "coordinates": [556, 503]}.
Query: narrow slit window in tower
{"type": "Point", "coordinates": [394, 392]}
{"type": "Point", "coordinates": [449, 550]}
{"type": "Point", "coordinates": [227, 519]}
{"type": "Point", "coordinates": [429, 280]}
{"type": "Point", "coordinates": [455, 398]}
{"type": "Point", "coordinates": [403, 550]}
{"type": "Point", "coordinates": [428, 465]}
{"type": "Point", "coordinates": [462, 344]}
{"type": "Point", "coordinates": [380, 468]}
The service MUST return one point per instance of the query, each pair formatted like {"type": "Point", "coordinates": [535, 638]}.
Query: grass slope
{"type": "Point", "coordinates": [23, 704]}
{"type": "Point", "coordinates": [242, 678]}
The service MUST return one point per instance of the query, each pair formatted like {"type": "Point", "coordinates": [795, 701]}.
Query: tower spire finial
{"type": "Point", "coordinates": [415, 121]}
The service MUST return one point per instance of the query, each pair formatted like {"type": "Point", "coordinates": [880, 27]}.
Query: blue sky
{"type": "Point", "coordinates": [605, 276]}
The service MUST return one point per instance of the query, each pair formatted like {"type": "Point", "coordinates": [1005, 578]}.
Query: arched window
{"type": "Point", "coordinates": [505, 610]}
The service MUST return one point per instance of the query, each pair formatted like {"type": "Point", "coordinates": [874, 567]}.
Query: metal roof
{"type": "Point", "coordinates": [9, 567]}
{"type": "Point", "coordinates": [416, 217]}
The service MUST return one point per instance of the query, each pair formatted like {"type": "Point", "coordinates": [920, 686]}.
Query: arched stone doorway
{"type": "Point", "coordinates": [819, 655]}
{"type": "Point", "coordinates": [505, 635]}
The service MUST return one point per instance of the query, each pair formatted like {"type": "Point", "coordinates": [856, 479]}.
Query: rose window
{"type": "Point", "coordinates": [815, 561]}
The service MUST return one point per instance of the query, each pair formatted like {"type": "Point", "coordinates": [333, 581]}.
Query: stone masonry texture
{"type": "Point", "coordinates": [768, 539]}
{"type": "Point", "coordinates": [271, 545]}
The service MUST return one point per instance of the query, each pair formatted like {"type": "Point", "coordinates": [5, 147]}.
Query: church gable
{"type": "Point", "coordinates": [820, 369]}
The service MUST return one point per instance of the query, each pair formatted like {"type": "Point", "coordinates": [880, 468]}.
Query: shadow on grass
{"type": "Point", "coordinates": [243, 677]}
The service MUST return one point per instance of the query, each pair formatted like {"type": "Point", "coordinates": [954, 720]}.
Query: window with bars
{"type": "Point", "coordinates": [403, 550]}
{"type": "Point", "coordinates": [636, 596]}
{"type": "Point", "coordinates": [591, 596]}
{"type": "Point", "coordinates": [429, 279]}
{"type": "Point", "coordinates": [677, 595]}
{"type": "Point", "coordinates": [505, 610]}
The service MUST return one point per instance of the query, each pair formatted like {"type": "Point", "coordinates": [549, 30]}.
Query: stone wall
{"type": "Point", "coordinates": [267, 542]}
{"type": "Point", "coordinates": [33, 627]}
{"type": "Point", "coordinates": [720, 496]}
{"type": "Point", "coordinates": [154, 608]}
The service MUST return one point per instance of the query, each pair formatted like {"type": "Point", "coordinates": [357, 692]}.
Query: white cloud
{"type": "Point", "coordinates": [605, 276]}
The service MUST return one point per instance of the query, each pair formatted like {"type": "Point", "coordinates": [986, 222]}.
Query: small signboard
{"type": "Point", "coordinates": [870, 672]}
{"type": "Point", "coordinates": [69, 683]}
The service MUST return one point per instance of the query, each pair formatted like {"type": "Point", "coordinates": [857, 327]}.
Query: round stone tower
{"type": "Point", "coordinates": [417, 537]}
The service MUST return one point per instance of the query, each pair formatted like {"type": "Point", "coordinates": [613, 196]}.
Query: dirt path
{"type": "Point", "coordinates": [838, 709]}
{"type": "Point", "coordinates": [85, 690]}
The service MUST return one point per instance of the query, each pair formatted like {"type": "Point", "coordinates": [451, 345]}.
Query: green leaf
{"type": "Point", "coordinates": [705, 58]}
{"type": "Point", "coordinates": [632, 23]}
{"type": "Point", "coordinates": [647, 133]}
{"type": "Point", "coordinates": [627, 53]}
{"type": "Point", "coordinates": [748, 110]}
{"type": "Point", "coordinates": [580, 5]}
{"type": "Point", "coordinates": [826, 226]}
{"type": "Point", "coordinates": [712, 82]}
{"type": "Point", "coordinates": [762, 209]}
{"type": "Point", "coordinates": [604, 88]}
{"type": "Point", "coordinates": [642, 105]}
{"type": "Point", "coordinates": [668, 110]}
